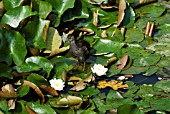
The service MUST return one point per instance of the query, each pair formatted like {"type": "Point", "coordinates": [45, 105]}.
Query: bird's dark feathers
{"type": "Point", "coordinates": [79, 49]}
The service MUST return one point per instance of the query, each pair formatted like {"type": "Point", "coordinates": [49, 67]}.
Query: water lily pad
{"type": "Point", "coordinates": [147, 60]}
{"type": "Point", "coordinates": [41, 61]}
{"type": "Point", "coordinates": [10, 48]}
{"type": "Point", "coordinates": [163, 85]}
{"type": "Point", "coordinates": [152, 10]}
{"type": "Point", "coordinates": [104, 46]}
{"type": "Point", "coordinates": [60, 7]}
{"type": "Point", "coordinates": [134, 35]}
{"type": "Point", "coordinates": [14, 16]}
{"type": "Point", "coordinates": [35, 33]}
{"type": "Point", "coordinates": [41, 109]}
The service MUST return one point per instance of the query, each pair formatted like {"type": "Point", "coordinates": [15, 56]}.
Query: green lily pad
{"type": "Point", "coordinates": [135, 70]}
{"type": "Point", "coordinates": [152, 10]}
{"type": "Point", "coordinates": [14, 16]}
{"type": "Point", "coordinates": [37, 79]}
{"type": "Point", "coordinates": [27, 67]}
{"type": "Point", "coordinates": [163, 85]}
{"type": "Point", "coordinates": [78, 11]}
{"type": "Point", "coordinates": [8, 4]}
{"type": "Point", "coordinates": [5, 71]}
{"type": "Point", "coordinates": [35, 33]}
{"type": "Point", "coordinates": [41, 109]}
{"type": "Point", "coordinates": [10, 47]}
{"type": "Point", "coordinates": [60, 7]}
{"type": "Point", "coordinates": [147, 60]}
{"type": "Point", "coordinates": [4, 106]}
{"type": "Point", "coordinates": [42, 7]}
{"type": "Point", "coordinates": [161, 104]}
{"type": "Point", "coordinates": [104, 46]}
{"type": "Point", "coordinates": [23, 90]}
{"type": "Point", "coordinates": [129, 109]}
{"type": "Point", "coordinates": [41, 61]}
{"type": "Point", "coordinates": [134, 35]}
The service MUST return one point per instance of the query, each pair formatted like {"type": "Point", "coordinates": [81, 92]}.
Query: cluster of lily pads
{"type": "Point", "coordinates": [126, 37]}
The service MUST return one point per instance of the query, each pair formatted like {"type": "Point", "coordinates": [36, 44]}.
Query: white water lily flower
{"type": "Point", "coordinates": [99, 69]}
{"type": "Point", "coordinates": [57, 84]}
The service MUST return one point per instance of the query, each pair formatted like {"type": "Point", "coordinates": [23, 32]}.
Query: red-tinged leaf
{"type": "Point", "coordinates": [123, 61]}
{"type": "Point", "coordinates": [49, 90]}
{"type": "Point", "coordinates": [122, 7]}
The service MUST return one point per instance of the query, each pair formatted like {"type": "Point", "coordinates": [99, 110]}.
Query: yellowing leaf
{"type": "Point", "coordinates": [115, 85]}
{"type": "Point", "coordinates": [53, 42]}
{"type": "Point", "coordinates": [70, 100]}
{"type": "Point", "coordinates": [8, 91]}
{"type": "Point", "coordinates": [122, 7]}
{"type": "Point", "coordinates": [36, 88]}
{"type": "Point", "coordinates": [79, 86]}
{"type": "Point", "coordinates": [11, 104]}
{"type": "Point", "coordinates": [49, 90]}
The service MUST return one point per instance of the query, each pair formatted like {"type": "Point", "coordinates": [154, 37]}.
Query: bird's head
{"type": "Point", "coordinates": [70, 38]}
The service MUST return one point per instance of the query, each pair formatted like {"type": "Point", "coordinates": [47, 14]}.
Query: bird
{"type": "Point", "coordinates": [79, 49]}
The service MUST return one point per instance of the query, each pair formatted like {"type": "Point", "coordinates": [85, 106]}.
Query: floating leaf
{"type": "Point", "coordinates": [115, 85]}
{"type": "Point", "coordinates": [54, 42]}
{"type": "Point", "coordinates": [7, 91]}
{"type": "Point", "coordinates": [5, 71]}
{"type": "Point", "coordinates": [163, 85]}
{"type": "Point", "coordinates": [23, 90]}
{"type": "Point", "coordinates": [14, 16]}
{"type": "Point", "coordinates": [134, 70]}
{"type": "Point", "coordinates": [147, 60]}
{"type": "Point", "coordinates": [29, 110]}
{"type": "Point", "coordinates": [137, 35]}
{"type": "Point", "coordinates": [41, 61]}
{"type": "Point", "coordinates": [123, 61]}
{"type": "Point", "coordinates": [41, 109]}
{"type": "Point", "coordinates": [11, 104]}
{"type": "Point", "coordinates": [35, 33]}
{"type": "Point", "coordinates": [103, 46]}
{"type": "Point", "coordinates": [10, 48]}
{"type": "Point", "coordinates": [161, 104]}
{"type": "Point", "coordinates": [78, 11]}
{"type": "Point", "coordinates": [151, 10]}
{"type": "Point", "coordinates": [43, 8]}
{"type": "Point", "coordinates": [37, 79]}
{"type": "Point", "coordinates": [49, 90]}
{"type": "Point", "coordinates": [129, 109]}
{"type": "Point", "coordinates": [70, 100]}
{"type": "Point", "coordinates": [36, 88]}
{"type": "Point", "coordinates": [8, 4]}
{"type": "Point", "coordinates": [122, 7]}
{"type": "Point", "coordinates": [4, 106]}
{"type": "Point", "coordinates": [20, 108]}
{"type": "Point", "coordinates": [88, 91]}
{"type": "Point", "coordinates": [27, 67]}
{"type": "Point", "coordinates": [79, 86]}
{"type": "Point", "coordinates": [60, 7]}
